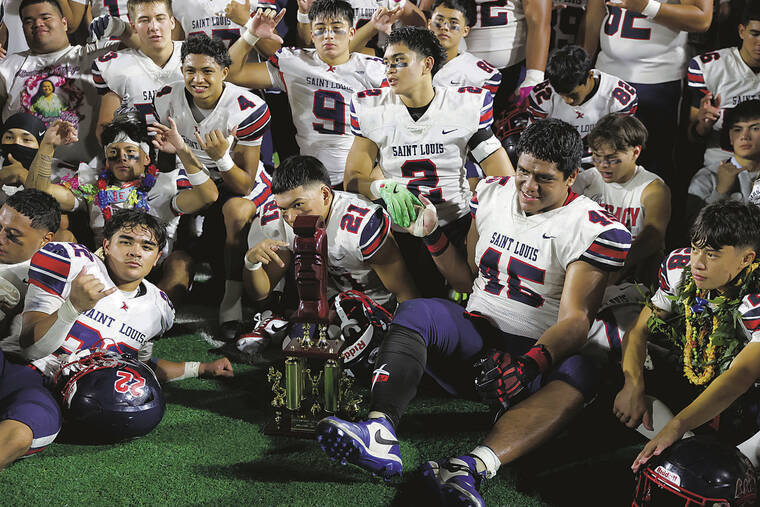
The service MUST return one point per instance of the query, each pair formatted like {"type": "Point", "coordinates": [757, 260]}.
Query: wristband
{"type": "Point", "coordinates": [252, 266]}
{"type": "Point", "coordinates": [191, 371]}
{"type": "Point", "coordinates": [533, 77]}
{"type": "Point", "coordinates": [652, 8]}
{"type": "Point", "coordinates": [225, 163]}
{"type": "Point", "coordinates": [198, 178]}
{"type": "Point", "coordinates": [374, 188]}
{"type": "Point", "coordinates": [303, 18]}
{"type": "Point", "coordinates": [66, 316]}
{"type": "Point", "coordinates": [248, 37]}
{"type": "Point", "coordinates": [436, 242]}
{"type": "Point", "coordinates": [541, 356]}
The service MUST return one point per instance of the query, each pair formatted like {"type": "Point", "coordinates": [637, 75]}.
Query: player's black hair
{"type": "Point", "coordinates": [727, 223]}
{"type": "Point", "coordinates": [41, 208]}
{"type": "Point", "coordinates": [202, 44]}
{"type": "Point", "coordinates": [751, 12]}
{"type": "Point", "coordinates": [466, 7]}
{"type": "Point", "coordinates": [132, 218]}
{"type": "Point", "coordinates": [420, 40]}
{"type": "Point", "coordinates": [553, 140]}
{"type": "Point", "coordinates": [332, 9]}
{"type": "Point", "coordinates": [618, 131]}
{"type": "Point", "coordinates": [296, 171]}
{"type": "Point", "coordinates": [26, 3]}
{"type": "Point", "coordinates": [568, 68]}
{"type": "Point", "coordinates": [745, 111]}
{"type": "Point", "coordinates": [131, 124]}
{"type": "Point", "coordinates": [132, 5]}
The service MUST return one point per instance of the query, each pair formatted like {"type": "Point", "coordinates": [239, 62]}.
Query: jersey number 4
{"type": "Point", "coordinates": [517, 271]}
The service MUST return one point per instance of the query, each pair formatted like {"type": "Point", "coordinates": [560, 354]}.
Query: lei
{"type": "Point", "coordinates": [708, 331]}
{"type": "Point", "coordinates": [101, 194]}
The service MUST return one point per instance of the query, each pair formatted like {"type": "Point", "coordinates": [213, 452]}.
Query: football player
{"type": "Point", "coordinates": [567, 23]}
{"type": "Point", "coordinates": [135, 75]}
{"type": "Point", "coordinates": [29, 416]}
{"type": "Point", "coordinates": [319, 82]}
{"type": "Point", "coordinates": [720, 80]}
{"type": "Point", "coordinates": [637, 198]}
{"type": "Point", "coordinates": [77, 301]}
{"type": "Point", "coordinates": [75, 10]}
{"type": "Point", "coordinates": [578, 94]}
{"type": "Point", "coordinates": [222, 124]}
{"type": "Point", "coordinates": [421, 136]}
{"type": "Point", "coordinates": [362, 252]}
{"type": "Point", "coordinates": [130, 180]}
{"type": "Point", "coordinates": [709, 290]}
{"type": "Point", "coordinates": [644, 43]}
{"type": "Point", "coordinates": [536, 287]}
{"type": "Point", "coordinates": [734, 177]}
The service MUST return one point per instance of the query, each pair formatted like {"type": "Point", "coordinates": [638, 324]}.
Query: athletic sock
{"type": "Point", "coordinates": [231, 308]}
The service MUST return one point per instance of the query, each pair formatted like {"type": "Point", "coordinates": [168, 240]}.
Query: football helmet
{"type": "Point", "coordinates": [363, 325]}
{"type": "Point", "coordinates": [508, 129]}
{"type": "Point", "coordinates": [107, 397]}
{"type": "Point", "coordinates": [697, 471]}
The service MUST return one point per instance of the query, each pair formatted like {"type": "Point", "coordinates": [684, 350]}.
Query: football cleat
{"type": "Point", "coordinates": [256, 340]}
{"type": "Point", "coordinates": [371, 445]}
{"type": "Point", "coordinates": [455, 481]}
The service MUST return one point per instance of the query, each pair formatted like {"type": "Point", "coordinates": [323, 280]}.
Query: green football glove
{"type": "Point", "coordinates": [399, 201]}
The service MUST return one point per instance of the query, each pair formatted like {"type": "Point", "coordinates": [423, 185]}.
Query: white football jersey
{"type": "Point", "coordinates": [523, 259]}
{"type": "Point", "coordinates": [237, 108]}
{"type": "Point", "coordinates": [319, 95]}
{"type": "Point", "coordinates": [640, 50]}
{"type": "Point", "coordinates": [161, 201]}
{"type": "Point", "coordinates": [428, 155]}
{"type": "Point", "coordinates": [621, 305]}
{"type": "Point", "coordinates": [131, 74]}
{"type": "Point", "coordinates": [622, 200]}
{"type": "Point", "coordinates": [671, 278]}
{"type": "Point", "coordinates": [116, 8]}
{"type": "Point", "coordinates": [356, 230]}
{"type": "Point", "coordinates": [16, 274]}
{"type": "Point", "coordinates": [364, 10]}
{"type": "Point", "coordinates": [567, 18]}
{"type": "Point", "coordinates": [499, 33]}
{"type": "Point", "coordinates": [26, 80]}
{"type": "Point", "coordinates": [722, 72]}
{"type": "Point", "coordinates": [466, 69]}
{"type": "Point", "coordinates": [612, 96]}
{"type": "Point", "coordinates": [121, 321]}
{"type": "Point", "coordinates": [12, 20]}
{"type": "Point", "coordinates": [206, 16]}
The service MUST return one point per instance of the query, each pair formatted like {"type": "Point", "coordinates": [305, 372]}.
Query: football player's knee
{"type": "Point", "coordinates": [15, 437]}
{"type": "Point", "coordinates": [581, 373]}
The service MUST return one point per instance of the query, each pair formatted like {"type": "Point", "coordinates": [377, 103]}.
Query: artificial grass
{"type": "Point", "coordinates": [209, 449]}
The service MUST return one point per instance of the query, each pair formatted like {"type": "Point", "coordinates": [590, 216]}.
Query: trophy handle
{"type": "Point", "coordinates": [311, 269]}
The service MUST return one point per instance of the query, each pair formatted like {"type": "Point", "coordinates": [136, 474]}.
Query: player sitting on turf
{"type": "Point", "coordinates": [536, 281]}
{"type": "Point", "coordinates": [223, 125]}
{"type": "Point", "coordinates": [706, 313]}
{"type": "Point", "coordinates": [362, 253]}
{"type": "Point", "coordinates": [29, 416]}
{"type": "Point", "coordinates": [637, 198]}
{"type": "Point", "coordinates": [77, 301]}
{"type": "Point", "coordinates": [130, 180]}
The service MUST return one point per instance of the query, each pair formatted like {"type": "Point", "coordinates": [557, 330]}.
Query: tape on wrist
{"type": "Point", "coordinates": [225, 163]}
{"type": "Point", "coordinates": [532, 78]}
{"type": "Point", "coordinates": [67, 313]}
{"type": "Point", "coordinates": [198, 178]}
{"type": "Point", "coordinates": [252, 266]}
{"type": "Point", "coordinates": [191, 371]}
{"type": "Point", "coordinates": [303, 18]}
{"type": "Point", "coordinates": [249, 38]}
{"type": "Point", "coordinates": [652, 8]}
{"type": "Point", "coordinates": [374, 188]}
{"type": "Point", "coordinates": [436, 242]}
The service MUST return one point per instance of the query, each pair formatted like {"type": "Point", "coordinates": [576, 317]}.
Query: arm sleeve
{"type": "Point", "coordinates": [253, 127]}
{"type": "Point", "coordinates": [374, 233]}
{"type": "Point", "coordinates": [696, 80]}
{"type": "Point", "coordinates": [609, 249]}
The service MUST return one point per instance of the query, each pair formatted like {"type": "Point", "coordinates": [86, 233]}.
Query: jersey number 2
{"type": "Point", "coordinates": [628, 31]}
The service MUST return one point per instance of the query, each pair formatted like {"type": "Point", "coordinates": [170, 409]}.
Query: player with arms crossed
{"type": "Point", "coordinates": [712, 290]}
{"type": "Point", "coordinates": [578, 94]}
{"type": "Point", "coordinates": [637, 198]}
{"type": "Point", "coordinates": [222, 124]}
{"type": "Point", "coordinates": [319, 82]}
{"type": "Point", "coordinates": [536, 287]}
{"type": "Point", "coordinates": [135, 75]}
{"type": "Point", "coordinates": [421, 136]}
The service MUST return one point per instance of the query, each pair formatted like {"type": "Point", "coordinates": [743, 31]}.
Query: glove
{"type": "Point", "coordinates": [502, 381]}
{"type": "Point", "coordinates": [532, 78]}
{"type": "Point", "coordinates": [398, 199]}
{"type": "Point", "coordinates": [106, 26]}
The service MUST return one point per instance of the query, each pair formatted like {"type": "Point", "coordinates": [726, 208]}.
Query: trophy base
{"type": "Point", "coordinates": [292, 425]}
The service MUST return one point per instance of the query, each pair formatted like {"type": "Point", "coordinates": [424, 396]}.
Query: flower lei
{"type": "Point", "coordinates": [100, 193]}
{"type": "Point", "coordinates": [708, 331]}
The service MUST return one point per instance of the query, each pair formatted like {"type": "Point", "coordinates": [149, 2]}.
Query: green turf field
{"type": "Point", "coordinates": [210, 450]}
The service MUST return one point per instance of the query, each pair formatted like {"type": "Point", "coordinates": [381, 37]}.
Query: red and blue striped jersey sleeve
{"type": "Point", "coordinates": [374, 233]}
{"type": "Point", "coordinates": [474, 204]}
{"type": "Point", "coordinates": [182, 182]}
{"type": "Point", "coordinates": [696, 80]}
{"type": "Point", "coordinates": [609, 249]}
{"type": "Point", "coordinates": [751, 313]}
{"type": "Point", "coordinates": [262, 188]}
{"type": "Point", "coordinates": [355, 127]}
{"type": "Point", "coordinates": [97, 78]}
{"type": "Point", "coordinates": [49, 268]}
{"type": "Point", "coordinates": [486, 111]}
{"type": "Point", "coordinates": [492, 83]}
{"type": "Point", "coordinates": [254, 126]}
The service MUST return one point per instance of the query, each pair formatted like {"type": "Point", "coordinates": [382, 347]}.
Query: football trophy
{"type": "Point", "coordinates": [314, 383]}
